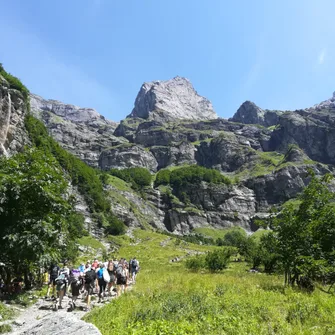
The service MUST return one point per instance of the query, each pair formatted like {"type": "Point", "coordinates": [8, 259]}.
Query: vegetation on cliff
{"type": "Point", "coordinates": [36, 212]}
{"type": "Point", "coordinates": [15, 83]}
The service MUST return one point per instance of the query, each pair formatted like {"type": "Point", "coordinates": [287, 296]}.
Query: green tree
{"type": "Point", "coordinates": [305, 235]}
{"type": "Point", "coordinates": [35, 211]}
{"type": "Point", "coordinates": [235, 238]}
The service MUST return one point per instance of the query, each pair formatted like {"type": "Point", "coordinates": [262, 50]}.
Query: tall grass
{"type": "Point", "coordinates": [168, 299]}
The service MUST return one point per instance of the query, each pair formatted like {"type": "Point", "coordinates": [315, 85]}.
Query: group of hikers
{"type": "Point", "coordinates": [97, 277]}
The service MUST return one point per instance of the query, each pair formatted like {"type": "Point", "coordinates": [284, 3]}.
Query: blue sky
{"type": "Point", "coordinates": [97, 53]}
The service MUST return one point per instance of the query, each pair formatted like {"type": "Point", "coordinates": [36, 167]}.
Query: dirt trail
{"type": "Point", "coordinates": [39, 315]}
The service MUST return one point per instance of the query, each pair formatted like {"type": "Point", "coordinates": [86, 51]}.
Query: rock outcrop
{"type": "Point", "coordinates": [126, 156]}
{"type": "Point", "coordinates": [170, 100]}
{"type": "Point", "coordinates": [82, 131]}
{"type": "Point", "coordinates": [64, 324]}
{"type": "Point", "coordinates": [250, 113]}
{"type": "Point", "coordinates": [13, 108]}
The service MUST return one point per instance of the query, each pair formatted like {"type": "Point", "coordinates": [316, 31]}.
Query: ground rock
{"type": "Point", "coordinates": [64, 324]}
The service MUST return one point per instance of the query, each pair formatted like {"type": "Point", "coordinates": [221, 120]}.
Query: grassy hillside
{"type": "Point", "coordinates": [168, 299]}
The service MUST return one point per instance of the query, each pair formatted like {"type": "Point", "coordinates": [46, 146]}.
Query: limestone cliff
{"type": "Point", "coordinates": [82, 131]}
{"type": "Point", "coordinates": [13, 108]}
{"type": "Point", "coordinates": [170, 100]}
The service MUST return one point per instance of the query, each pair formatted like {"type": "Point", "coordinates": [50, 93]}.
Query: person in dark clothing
{"type": "Point", "coordinates": [101, 282]}
{"type": "Point", "coordinates": [90, 277]}
{"type": "Point", "coordinates": [53, 274]}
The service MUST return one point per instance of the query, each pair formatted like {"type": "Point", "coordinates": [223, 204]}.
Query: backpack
{"type": "Point", "coordinates": [54, 272]}
{"type": "Point", "coordinates": [60, 280]}
{"type": "Point", "coordinates": [106, 276]}
{"type": "Point", "coordinates": [90, 277]}
{"type": "Point", "coordinates": [120, 272]}
{"type": "Point", "coordinates": [75, 276]}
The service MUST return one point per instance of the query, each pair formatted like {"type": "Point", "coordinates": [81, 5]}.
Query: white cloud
{"type": "Point", "coordinates": [322, 55]}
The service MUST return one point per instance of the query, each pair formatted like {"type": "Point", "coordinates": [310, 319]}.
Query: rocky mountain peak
{"type": "Point", "coordinates": [171, 99]}
{"type": "Point", "coordinates": [329, 103]}
{"type": "Point", "coordinates": [66, 111]}
{"type": "Point", "coordinates": [249, 113]}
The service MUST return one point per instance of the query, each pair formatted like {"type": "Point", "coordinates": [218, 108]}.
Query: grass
{"type": "Point", "coordinates": [168, 299]}
{"type": "Point", "coordinates": [119, 184]}
{"type": "Point", "coordinates": [91, 242]}
{"type": "Point", "coordinates": [6, 312]}
{"type": "Point", "coordinates": [215, 233]}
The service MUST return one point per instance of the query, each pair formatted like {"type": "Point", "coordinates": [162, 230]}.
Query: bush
{"type": "Point", "coordinates": [115, 226]}
{"type": "Point", "coordinates": [196, 263]}
{"type": "Point", "coordinates": [218, 260]}
{"type": "Point", "coordinates": [163, 177]}
{"type": "Point", "coordinates": [214, 261]}
{"type": "Point", "coordinates": [235, 238]}
{"type": "Point", "coordinates": [138, 177]}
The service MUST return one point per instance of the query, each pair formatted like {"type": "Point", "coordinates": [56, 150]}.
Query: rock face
{"type": "Point", "coordinates": [250, 113]}
{"type": "Point", "coordinates": [82, 131]}
{"type": "Point", "coordinates": [313, 130]}
{"type": "Point", "coordinates": [170, 100]}
{"type": "Point", "coordinates": [266, 153]}
{"type": "Point", "coordinates": [13, 136]}
{"type": "Point", "coordinates": [125, 156]}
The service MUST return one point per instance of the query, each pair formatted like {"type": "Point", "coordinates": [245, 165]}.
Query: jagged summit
{"type": "Point", "coordinates": [171, 99]}
{"type": "Point", "coordinates": [67, 111]}
{"type": "Point", "coordinates": [250, 113]}
{"type": "Point", "coordinates": [329, 103]}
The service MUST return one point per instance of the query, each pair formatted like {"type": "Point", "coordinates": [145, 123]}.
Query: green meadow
{"type": "Point", "coordinates": [170, 299]}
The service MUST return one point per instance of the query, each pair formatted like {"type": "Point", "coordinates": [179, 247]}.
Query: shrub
{"type": "Point", "coordinates": [218, 260]}
{"type": "Point", "coordinates": [115, 226]}
{"type": "Point", "coordinates": [163, 177]}
{"type": "Point", "coordinates": [235, 238]}
{"type": "Point", "coordinates": [196, 263]}
{"type": "Point", "coordinates": [138, 177]}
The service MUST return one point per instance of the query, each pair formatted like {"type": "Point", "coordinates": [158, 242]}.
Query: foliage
{"type": "Point", "coordinates": [235, 238]}
{"type": "Point", "coordinates": [163, 177]}
{"type": "Point", "coordinates": [138, 177]}
{"type": "Point", "coordinates": [15, 83]}
{"type": "Point", "coordinates": [35, 212]}
{"type": "Point", "coordinates": [217, 260]}
{"type": "Point", "coordinates": [196, 263]}
{"type": "Point", "coordinates": [115, 226]}
{"type": "Point", "coordinates": [305, 235]}
{"type": "Point", "coordinates": [83, 176]}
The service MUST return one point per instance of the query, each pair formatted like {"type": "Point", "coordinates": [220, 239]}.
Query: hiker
{"type": "Point", "coordinates": [61, 285]}
{"type": "Point", "coordinates": [76, 283]}
{"type": "Point", "coordinates": [121, 276]}
{"type": "Point", "coordinates": [81, 267]}
{"type": "Point", "coordinates": [112, 280]}
{"type": "Point", "coordinates": [135, 266]}
{"type": "Point", "coordinates": [53, 274]}
{"type": "Point", "coordinates": [102, 282]}
{"type": "Point", "coordinates": [90, 277]}
{"type": "Point", "coordinates": [87, 267]}
{"type": "Point", "coordinates": [17, 284]}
